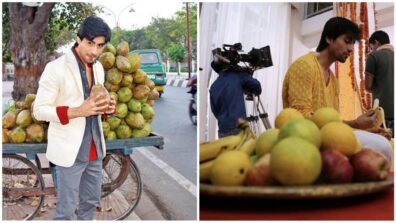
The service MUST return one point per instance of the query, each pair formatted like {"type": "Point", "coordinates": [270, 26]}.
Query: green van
{"type": "Point", "coordinates": [152, 65]}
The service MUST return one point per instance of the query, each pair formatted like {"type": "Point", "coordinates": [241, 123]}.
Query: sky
{"type": "Point", "coordinates": [143, 12]}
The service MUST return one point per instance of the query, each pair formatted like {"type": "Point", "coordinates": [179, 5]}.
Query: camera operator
{"type": "Point", "coordinates": [227, 98]}
{"type": "Point", "coordinates": [227, 92]}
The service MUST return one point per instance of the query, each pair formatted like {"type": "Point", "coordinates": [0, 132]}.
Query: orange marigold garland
{"type": "Point", "coordinates": [352, 7]}
{"type": "Point", "coordinates": [342, 10]}
{"type": "Point", "coordinates": [365, 96]}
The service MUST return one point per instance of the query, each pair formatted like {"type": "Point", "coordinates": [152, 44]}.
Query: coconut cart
{"type": "Point", "coordinates": [26, 184]}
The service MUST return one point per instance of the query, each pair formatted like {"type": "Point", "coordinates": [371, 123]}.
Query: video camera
{"type": "Point", "coordinates": [228, 59]}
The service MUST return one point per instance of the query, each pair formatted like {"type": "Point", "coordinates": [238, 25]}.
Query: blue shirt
{"type": "Point", "coordinates": [227, 98]}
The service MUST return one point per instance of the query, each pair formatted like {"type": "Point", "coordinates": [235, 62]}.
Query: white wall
{"type": "Point", "coordinates": [390, 30]}
{"type": "Point", "coordinates": [385, 18]}
{"type": "Point", "coordinates": [305, 34]}
{"type": "Point", "coordinates": [296, 45]}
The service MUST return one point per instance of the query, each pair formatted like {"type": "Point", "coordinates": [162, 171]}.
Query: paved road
{"type": "Point", "coordinates": [170, 178]}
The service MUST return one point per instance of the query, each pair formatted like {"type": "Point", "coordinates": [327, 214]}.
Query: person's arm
{"type": "Point", "coordinates": [369, 72]}
{"type": "Point", "coordinates": [212, 104]}
{"type": "Point", "coordinates": [368, 81]}
{"type": "Point", "coordinates": [364, 121]}
{"type": "Point", "coordinates": [297, 88]}
{"type": "Point", "coordinates": [251, 84]}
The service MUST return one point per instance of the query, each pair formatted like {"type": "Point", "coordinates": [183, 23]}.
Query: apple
{"type": "Point", "coordinates": [336, 167]}
{"type": "Point", "coordinates": [369, 165]}
{"type": "Point", "coordinates": [260, 174]}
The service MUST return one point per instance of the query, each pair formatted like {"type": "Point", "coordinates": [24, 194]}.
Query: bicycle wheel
{"type": "Point", "coordinates": [22, 185]}
{"type": "Point", "coordinates": [121, 187]}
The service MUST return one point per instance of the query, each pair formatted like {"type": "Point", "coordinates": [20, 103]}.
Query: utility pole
{"type": "Point", "coordinates": [188, 42]}
{"type": "Point", "coordinates": [117, 18]}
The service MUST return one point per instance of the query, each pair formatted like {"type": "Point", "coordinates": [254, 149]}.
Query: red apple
{"type": "Point", "coordinates": [336, 167]}
{"type": "Point", "coordinates": [369, 165]}
{"type": "Point", "coordinates": [260, 174]}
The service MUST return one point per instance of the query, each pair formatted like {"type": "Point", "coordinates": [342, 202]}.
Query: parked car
{"type": "Point", "coordinates": [153, 66]}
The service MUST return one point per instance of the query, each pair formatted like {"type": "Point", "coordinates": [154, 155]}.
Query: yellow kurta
{"type": "Point", "coordinates": [305, 89]}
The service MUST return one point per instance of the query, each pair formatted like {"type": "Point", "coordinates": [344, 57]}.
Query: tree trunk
{"type": "Point", "coordinates": [27, 46]}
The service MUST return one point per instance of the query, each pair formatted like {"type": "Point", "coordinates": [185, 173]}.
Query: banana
{"type": "Point", "coordinates": [379, 111]}
{"type": "Point", "coordinates": [204, 170]}
{"type": "Point", "coordinates": [249, 144]}
{"type": "Point", "coordinates": [211, 150]}
{"type": "Point", "coordinates": [376, 103]}
{"type": "Point", "coordinates": [245, 136]}
{"type": "Point", "coordinates": [242, 123]}
{"type": "Point", "coordinates": [244, 141]}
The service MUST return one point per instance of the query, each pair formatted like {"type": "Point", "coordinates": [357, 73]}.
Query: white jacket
{"type": "Point", "coordinates": [61, 85]}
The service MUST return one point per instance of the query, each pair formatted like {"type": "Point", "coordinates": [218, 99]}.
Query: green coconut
{"type": "Point", "coordinates": [121, 110]}
{"type": "Point", "coordinates": [123, 49]}
{"type": "Point", "coordinates": [134, 105]}
{"type": "Point", "coordinates": [107, 60]}
{"type": "Point", "coordinates": [147, 111]}
{"type": "Point", "coordinates": [135, 120]}
{"type": "Point", "coordinates": [124, 94]}
{"type": "Point", "coordinates": [135, 61]}
{"type": "Point", "coordinates": [111, 135]}
{"type": "Point", "coordinates": [114, 122]}
{"type": "Point", "coordinates": [114, 76]}
{"type": "Point", "coordinates": [139, 77]}
{"type": "Point", "coordinates": [17, 135]}
{"type": "Point", "coordinates": [123, 64]}
{"type": "Point", "coordinates": [24, 118]}
{"type": "Point", "coordinates": [34, 133]}
{"type": "Point", "coordinates": [123, 132]}
{"type": "Point", "coordinates": [110, 48]}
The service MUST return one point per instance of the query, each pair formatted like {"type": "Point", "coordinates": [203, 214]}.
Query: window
{"type": "Point", "coordinates": [316, 8]}
{"type": "Point", "coordinates": [149, 58]}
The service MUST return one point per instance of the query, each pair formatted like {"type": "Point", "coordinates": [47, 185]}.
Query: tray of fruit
{"type": "Point", "coordinates": [299, 158]}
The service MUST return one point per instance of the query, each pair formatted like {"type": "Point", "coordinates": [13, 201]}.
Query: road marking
{"type": "Point", "coordinates": [133, 216]}
{"type": "Point", "coordinates": [180, 179]}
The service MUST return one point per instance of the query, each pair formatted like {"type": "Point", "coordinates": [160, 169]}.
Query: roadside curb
{"type": "Point", "coordinates": [176, 82]}
{"type": "Point", "coordinates": [172, 79]}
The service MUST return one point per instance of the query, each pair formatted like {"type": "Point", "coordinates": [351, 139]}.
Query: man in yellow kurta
{"type": "Point", "coordinates": [305, 87]}
{"type": "Point", "coordinates": [309, 83]}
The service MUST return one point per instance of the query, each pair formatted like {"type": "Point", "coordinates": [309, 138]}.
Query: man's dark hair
{"type": "Point", "coordinates": [381, 36]}
{"type": "Point", "coordinates": [93, 27]}
{"type": "Point", "coordinates": [336, 27]}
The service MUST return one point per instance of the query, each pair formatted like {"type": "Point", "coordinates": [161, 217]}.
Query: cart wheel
{"type": "Point", "coordinates": [22, 184]}
{"type": "Point", "coordinates": [121, 187]}
{"type": "Point", "coordinates": [38, 162]}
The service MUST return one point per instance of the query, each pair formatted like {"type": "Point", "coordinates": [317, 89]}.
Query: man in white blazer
{"type": "Point", "coordinates": [75, 138]}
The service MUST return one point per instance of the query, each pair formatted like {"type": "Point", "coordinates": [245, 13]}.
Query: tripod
{"type": "Point", "coordinates": [258, 112]}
